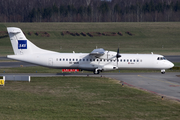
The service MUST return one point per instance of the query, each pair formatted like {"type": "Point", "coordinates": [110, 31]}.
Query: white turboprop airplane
{"type": "Point", "coordinates": [97, 61]}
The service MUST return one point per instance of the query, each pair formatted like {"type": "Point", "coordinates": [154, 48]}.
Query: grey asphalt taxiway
{"type": "Point", "coordinates": [167, 85]}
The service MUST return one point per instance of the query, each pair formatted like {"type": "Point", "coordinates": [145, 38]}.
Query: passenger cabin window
{"type": "Point", "coordinates": [59, 59]}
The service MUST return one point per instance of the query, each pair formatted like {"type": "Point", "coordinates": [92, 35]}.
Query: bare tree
{"type": "Point", "coordinates": [88, 2]}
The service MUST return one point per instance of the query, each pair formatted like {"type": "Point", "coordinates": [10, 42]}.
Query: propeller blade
{"type": "Point", "coordinates": [118, 51]}
{"type": "Point", "coordinates": [117, 56]}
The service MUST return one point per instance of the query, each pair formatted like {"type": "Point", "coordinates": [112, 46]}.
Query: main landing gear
{"type": "Point", "coordinates": [163, 71]}
{"type": "Point", "coordinates": [96, 71]}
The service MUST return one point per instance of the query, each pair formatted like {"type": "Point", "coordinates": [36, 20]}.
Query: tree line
{"type": "Point", "coordinates": [89, 10]}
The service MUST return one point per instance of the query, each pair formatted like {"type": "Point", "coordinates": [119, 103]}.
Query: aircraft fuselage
{"type": "Point", "coordinates": [84, 61]}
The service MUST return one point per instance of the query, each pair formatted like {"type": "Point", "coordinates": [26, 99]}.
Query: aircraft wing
{"type": "Point", "coordinates": [98, 52]}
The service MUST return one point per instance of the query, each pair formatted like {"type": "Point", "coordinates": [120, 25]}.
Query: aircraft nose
{"type": "Point", "coordinates": [171, 64]}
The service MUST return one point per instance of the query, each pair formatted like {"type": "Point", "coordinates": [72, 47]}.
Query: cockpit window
{"type": "Point", "coordinates": [161, 58]}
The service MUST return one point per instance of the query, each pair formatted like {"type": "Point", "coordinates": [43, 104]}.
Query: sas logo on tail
{"type": "Point", "coordinates": [22, 44]}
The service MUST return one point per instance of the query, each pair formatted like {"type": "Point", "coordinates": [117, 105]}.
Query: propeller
{"type": "Point", "coordinates": [117, 56]}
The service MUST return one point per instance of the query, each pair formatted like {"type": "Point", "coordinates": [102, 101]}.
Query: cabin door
{"type": "Point", "coordinates": [50, 62]}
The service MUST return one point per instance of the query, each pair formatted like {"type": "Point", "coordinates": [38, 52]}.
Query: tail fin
{"type": "Point", "coordinates": [21, 45]}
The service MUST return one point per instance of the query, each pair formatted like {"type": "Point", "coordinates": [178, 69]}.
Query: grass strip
{"type": "Point", "coordinates": [81, 98]}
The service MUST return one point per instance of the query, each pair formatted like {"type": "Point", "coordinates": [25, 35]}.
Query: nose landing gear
{"type": "Point", "coordinates": [163, 71]}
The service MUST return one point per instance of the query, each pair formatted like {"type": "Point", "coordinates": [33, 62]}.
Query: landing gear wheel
{"type": "Point", "coordinates": [163, 71]}
{"type": "Point", "coordinates": [96, 71]}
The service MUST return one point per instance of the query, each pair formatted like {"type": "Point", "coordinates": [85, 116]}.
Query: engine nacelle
{"type": "Point", "coordinates": [108, 55]}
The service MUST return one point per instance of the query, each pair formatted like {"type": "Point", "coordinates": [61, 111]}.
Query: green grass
{"type": "Point", "coordinates": [177, 64]}
{"type": "Point", "coordinates": [81, 98]}
{"type": "Point", "coordinates": [34, 69]}
{"type": "Point", "coordinates": [160, 37]}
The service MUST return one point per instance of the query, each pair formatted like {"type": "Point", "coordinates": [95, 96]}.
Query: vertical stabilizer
{"type": "Point", "coordinates": [21, 45]}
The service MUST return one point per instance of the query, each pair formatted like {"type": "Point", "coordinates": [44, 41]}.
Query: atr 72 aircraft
{"type": "Point", "coordinates": [97, 61]}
